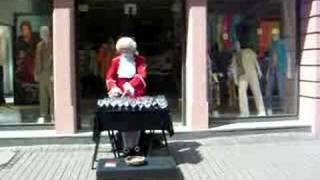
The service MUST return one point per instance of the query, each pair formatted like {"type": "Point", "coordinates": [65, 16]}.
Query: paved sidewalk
{"type": "Point", "coordinates": [284, 156]}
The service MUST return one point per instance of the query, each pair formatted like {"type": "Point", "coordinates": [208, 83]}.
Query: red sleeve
{"type": "Point", "coordinates": [111, 75]}
{"type": "Point", "coordinates": [139, 79]}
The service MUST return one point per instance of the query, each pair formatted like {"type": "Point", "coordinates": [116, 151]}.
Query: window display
{"type": "Point", "coordinates": [25, 62]}
{"type": "Point", "coordinates": [251, 54]}
{"type": "Point", "coordinates": [28, 36]}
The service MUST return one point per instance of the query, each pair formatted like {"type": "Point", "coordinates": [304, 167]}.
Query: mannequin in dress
{"type": "Point", "coordinates": [246, 71]}
{"type": "Point", "coordinates": [125, 77]}
{"type": "Point", "coordinates": [43, 74]}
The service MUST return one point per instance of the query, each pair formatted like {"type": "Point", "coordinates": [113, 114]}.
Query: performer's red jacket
{"type": "Point", "coordinates": [137, 81]}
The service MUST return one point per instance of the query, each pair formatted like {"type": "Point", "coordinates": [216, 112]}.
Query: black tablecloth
{"type": "Point", "coordinates": [155, 119]}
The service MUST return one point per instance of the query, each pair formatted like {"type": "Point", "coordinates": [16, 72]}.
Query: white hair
{"type": "Point", "coordinates": [126, 43]}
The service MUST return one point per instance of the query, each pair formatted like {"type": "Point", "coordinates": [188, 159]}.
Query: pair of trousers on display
{"type": "Point", "coordinates": [253, 82]}
{"type": "Point", "coordinates": [46, 96]}
{"type": "Point", "coordinates": [275, 76]}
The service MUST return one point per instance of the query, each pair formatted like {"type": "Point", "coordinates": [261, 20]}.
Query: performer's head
{"type": "Point", "coordinates": [126, 45]}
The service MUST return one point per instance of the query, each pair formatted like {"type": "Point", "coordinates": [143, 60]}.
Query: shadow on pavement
{"type": "Point", "coordinates": [186, 152]}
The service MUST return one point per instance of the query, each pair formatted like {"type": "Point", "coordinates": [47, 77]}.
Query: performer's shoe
{"type": "Point", "coordinates": [126, 152]}
{"type": "Point", "coordinates": [137, 151]}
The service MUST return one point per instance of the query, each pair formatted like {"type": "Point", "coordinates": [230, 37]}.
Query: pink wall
{"type": "Point", "coordinates": [64, 67]}
{"type": "Point", "coordinates": [309, 67]}
{"type": "Point", "coordinates": [196, 65]}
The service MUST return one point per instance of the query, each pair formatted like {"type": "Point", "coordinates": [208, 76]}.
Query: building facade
{"type": "Point", "coordinates": [199, 110]}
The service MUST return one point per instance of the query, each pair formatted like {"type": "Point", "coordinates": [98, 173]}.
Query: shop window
{"type": "Point", "coordinates": [158, 29]}
{"type": "Point", "coordinates": [252, 59]}
{"type": "Point", "coordinates": [26, 62]}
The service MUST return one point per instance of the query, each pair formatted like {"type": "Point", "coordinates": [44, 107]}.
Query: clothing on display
{"type": "Point", "coordinates": [3, 58]}
{"type": "Point", "coordinates": [222, 31]}
{"type": "Point", "coordinates": [275, 79]}
{"type": "Point", "coordinates": [219, 40]}
{"type": "Point", "coordinates": [236, 20]}
{"type": "Point", "coordinates": [250, 78]}
{"type": "Point", "coordinates": [226, 30]}
{"type": "Point", "coordinates": [26, 90]}
{"type": "Point", "coordinates": [289, 32]}
{"type": "Point", "coordinates": [277, 71]}
{"type": "Point", "coordinates": [7, 59]}
{"type": "Point", "coordinates": [265, 35]}
{"type": "Point", "coordinates": [279, 55]}
{"type": "Point", "coordinates": [105, 55]}
{"type": "Point", "coordinates": [3, 47]}
{"type": "Point", "coordinates": [266, 63]}
{"type": "Point", "coordinates": [43, 74]}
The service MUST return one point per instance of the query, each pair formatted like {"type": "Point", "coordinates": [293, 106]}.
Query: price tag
{"type": "Point", "coordinates": [110, 164]}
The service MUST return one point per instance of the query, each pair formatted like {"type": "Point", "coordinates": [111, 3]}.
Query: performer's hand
{"type": "Point", "coordinates": [128, 89]}
{"type": "Point", "coordinates": [114, 92]}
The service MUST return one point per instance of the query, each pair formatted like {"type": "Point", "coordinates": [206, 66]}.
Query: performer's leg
{"type": "Point", "coordinates": [131, 139]}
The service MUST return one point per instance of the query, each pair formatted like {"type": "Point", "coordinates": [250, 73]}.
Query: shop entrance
{"type": "Point", "coordinates": [157, 27]}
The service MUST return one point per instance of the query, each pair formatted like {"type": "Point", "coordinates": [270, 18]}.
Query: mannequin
{"type": "Point", "coordinates": [246, 71]}
{"type": "Point", "coordinates": [277, 70]}
{"type": "Point", "coordinates": [125, 77]}
{"type": "Point", "coordinates": [3, 56]}
{"type": "Point", "coordinates": [43, 74]}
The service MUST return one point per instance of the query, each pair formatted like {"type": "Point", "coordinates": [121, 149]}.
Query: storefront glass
{"type": "Point", "coordinates": [156, 26]}
{"type": "Point", "coordinates": [25, 62]}
{"type": "Point", "coordinates": [252, 59]}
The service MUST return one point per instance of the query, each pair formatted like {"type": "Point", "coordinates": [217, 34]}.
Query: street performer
{"type": "Point", "coordinates": [126, 77]}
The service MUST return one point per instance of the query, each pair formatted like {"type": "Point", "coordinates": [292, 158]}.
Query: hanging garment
{"type": "Point", "coordinates": [236, 20]}
{"type": "Point", "coordinates": [219, 27]}
{"type": "Point", "coordinates": [265, 38]}
{"type": "Point", "coordinates": [250, 78]}
{"type": "Point", "coordinates": [226, 28]}
{"type": "Point", "coordinates": [44, 73]}
{"type": "Point", "coordinates": [278, 47]}
{"type": "Point", "coordinates": [290, 31]}
{"type": "Point", "coordinates": [212, 30]}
